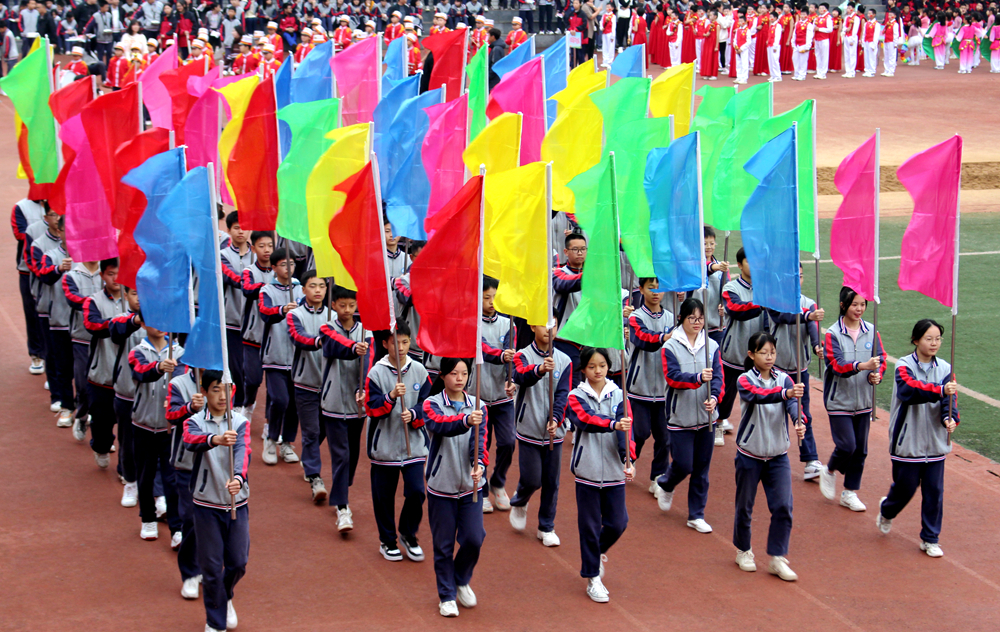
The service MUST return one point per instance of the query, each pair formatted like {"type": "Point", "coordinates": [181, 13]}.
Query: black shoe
{"type": "Point", "coordinates": [390, 553]}
{"type": "Point", "coordinates": [412, 548]}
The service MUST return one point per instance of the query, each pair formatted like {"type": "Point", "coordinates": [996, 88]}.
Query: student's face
{"type": "Point", "coordinates": [649, 295]}
{"type": "Point", "coordinates": [263, 248]}
{"type": "Point", "coordinates": [215, 398]}
{"type": "Point", "coordinates": [32, 5]}
{"type": "Point", "coordinates": [119, 52]}
{"type": "Point", "coordinates": [488, 296]}
{"type": "Point", "coordinates": [153, 332]}
{"type": "Point", "coordinates": [930, 343]}
{"type": "Point", "coordinates": [238, 235]}
{"type": "Point", "coordinates": [709, 248]}
{"type": "Point", "coordinates": [596, 369]}
{"type": "Point", "coordinates": [857, 307]}
{"type": "Point", "coordinates": [764, 358]}
{"type": "Point", "coordinates": [284, 269]}
{"type": "Point", "coordinates": [397, 340]}
{"type": "Point", "coordinates": [315, 290]}
{"type": "Point", "coordinates": [541, 335]}
{"type": "Point", "coordinates": [575, 253]}
{"type": "Point", "coordinates": [745, 268]}
{"type": "Point", "coordinates": [345, 307]}
{"type": "Point", "coordinates": [457, 379]}
{"type": "Point", "coordinates": [244, 49]}
{"type": "Point", "coordinates": [110, 278]}
{"type": "Point", "coordinates": [694, 322]}
{"type": "Point", "coordinates": [133, 299]}
{"type": "Point", "coordinates": [391, 241]}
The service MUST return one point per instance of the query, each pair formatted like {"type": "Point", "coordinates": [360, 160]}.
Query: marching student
{"type": "Point", "coordinates": [607, 26]}
{"type": "Point", "coordinates": [762, 442]}
{"type": "Point", "coordinates": [48, 266]}
{"type": "Point", "coordinates": [125, 331]}
{"type": "Point", "coordinates": [345, 349]}
{"type": "Point", "coordinates": [924, 414]}
{"type": "Point", "coordinates": [455, 483]}
{"type": "Point", "coordinates": [601, 463]}
{"type": "Point", "coordinates": [693, 390]}
{"type": "Point", "coordinates": [277, 299]}
{"type": "Point", "coordinates": [79, 282]}
{"type": "Point", "coordinates": [39, 238]}
{"type": "Point", "coordinates": [855, 361]}
{"type": "Point", "coordinates": [255, 277]}
{"type": "Point", "coordinates": [538, 463]}
{"type": "Point", "coordinates": [223, 543]}
{"type": "Point", "coordinates": [567, 281]}
{"type": "Point", "coordinates": [24, 214]}
{"type": "Point", "coordinates": [388, 428]}
{"type": "Point", "coordinates": [399, 261]}
{"type": "Point", "coordinates": [236, 258]}
{"type": "Point", "coordinates": [184, 399]}
{"type": "Point", "coordinates": [870, 37]}
{"type": "Point", "coordinates": [717, 275]}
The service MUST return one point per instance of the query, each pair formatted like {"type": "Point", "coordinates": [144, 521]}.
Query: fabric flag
{"type": "Point", "coordinates": [176, 83]}
{"type": "Point", "coordinates": [631, 62]}
{"type": "Point", "coordinates": [109, 121]}
{"type": "Point", "coordinates": [571, 145]}
{"type": "Point", "coordinates": [733, 184]}
{"type": "Point", "coordinates": [357, 70]}
{"type": "Point", "coordinates": [28, 85]}
{"type": "Point", "coordinates": [556, 75]}
{"type": "Point", "coordinates": [852, 233]}
{"type": "Point", "coordinates": [515, 59]}
{"type": "Point", "coordinates": [386, 111]}
{"type": "Point", "coordinates": [283, 95]}
{"type": "Point", "coordinates": [24, 162]}
{"type": "Point", "coordinates": [237, 96]}
{"type": "Point", "coordinates": [408, 190]}
{"type": "Point", "coordinates": [449, 50]}
{"type": "Point", "coordinates": [770, 226]}
{"type": "Point", "coordinates": [441, 152]}
{"type": "Point", "coordinates": [253, 163]}
{"type": "Point", "coordinates": [343, 159]}
{"type": "Point", "coordinates": [577, 82]}
{"type": "Point", "coordinates": [597, 320]}
{"type": "Point", "coordinates": [163, 280]}
{"type": "Point", "coordinates": [498, 147]}
{"type": "Point", "coordinates": [479, 92]}
{"type": "Point", "coordinates": [309, 124]}
{"type": "Point", "coordinates": [201, 129]}
{"type": "Point", "coordinates": [625, 101]}
{"type": "Point", "coordinates": [675, 225]}
{"type": "Point", "coordinates": [714, 125]}
{"type": "Point", "coordinates": [89, 234]}
{"type": "Point", "coordinates": [65, 103]}
{"type": "Point", "coordinates": [155, 96]}
{"type": "Point", "coordinates": [445, 277]}
{"type": "Point", "coordinates": [673, 93]}
{"type": "Point", "coordinates": [933, 178]}
{"type": "Point", "coordinates": [515, 248]}
{"type": "Point", "coordinates": [395, 65]}
{"type": "Point", "coordinates": [521, 91]}
{"type": "Point", "coordinates": [802, 116]}
{"type": "Point", "coordinates": [313, 79]}
{"type": "Point", "coordinates": [357, 234]}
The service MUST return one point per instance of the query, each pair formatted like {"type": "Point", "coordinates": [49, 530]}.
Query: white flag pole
{"type": "Point", "coordinates": [479, 314]}
{"type": "Point", "coordinates": [877, 175]}
{"type": "Point", "coordinates": [954, 279]}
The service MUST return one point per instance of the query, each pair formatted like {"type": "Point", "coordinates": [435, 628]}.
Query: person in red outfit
{"type": "Point", "coordinates": [785, 56]}
{"type": "Point", "coordinates": [118, 67]}
{"type": "Point", "coordinates": [760, 65]}
{"type": "Point", "coordinates": [246, 62]}
{"type": "Point", "coordinates": [516, 37]}
{"type": "Point", "coordinates": [269, 65]}
{"type": "Point", "coordinates": [151, 51]}
{"type": "Point", "coordinates": [394, 29]}
{"type": "Point", "coordinates": [342, 35]}
{"type": "Point", "coordinates": [414, 63]}
{"type": "Point", "coordinates": [710, 47]}
{"type": "Point", "coordinates": [198, 55]}
{"type": "Point", "coordinates": [479, 37]}
{"type": "Point", "coordinates": [637, 28]}
{"type": "Point", "coordinates": [77, 66]}
{"type": "Point", "coordinates": [689, 52]}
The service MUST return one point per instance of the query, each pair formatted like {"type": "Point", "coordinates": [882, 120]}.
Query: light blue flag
{"type": "Point", "coordinates": [385, 112]}
{"type": "Point", "coordinates": [283, 95]}
{"type": "Point", "coordinates": [556, 75]}
{"type": "Point", "coordinates": [631, 62]}
{"type": "Point", "coordinates": [515, 58]}
{"type": "Point", "coordinates": [189, 216]}
{"type": "Point", "coordinates": [409, 190]}
{"type": "Point", "coordinates": [770, 225]}
{"type": "Point", "coordinates": [675, 220]}
{"type": "Point", "coordinates": [395, 65]}
{"type": "Point", "coordinates": [313, 79]}
{"type": "Point", "coordinates": [163, 280]}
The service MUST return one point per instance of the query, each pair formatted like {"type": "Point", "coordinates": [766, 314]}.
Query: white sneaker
{"type": "Point", "coordinates": [231, 620]}
{"type": "Point", "coordinates": [827, 483]}
{"type": "Point", "coordinates": [102, 460]}
{"type": "Point", "coordinates": [850, 500]}
{"type": "Point", "coordinates": [393, 554]}
{"type": "Point", "coordinates": [37, 366]}
{"type": "Point", "coordinates": [700, 525]}
{"type": "Point", "coordinates": [270, 456]}
{"type": "Point", "coordinates": [264, 432]}
{"type": "Point", "coordinates": [600, 570]}
{"type": "Point", "coordinates": [319, 493]}
{"type": "Point", "coordinates": [448, 609]}
{"type": "Point", "coordinates": [56, 406]}
{"type": "Point", "coordinates": [720, 437]}
{"type": "Point", "coordinates": [149, 531]}
{"type": "Point", "coordinates": [487, 505]}
{"type": "Point", "coordinates": [65, 419]}
{"type": "Point", "coordinates": [931, 549]}
{"type": "Point", "coordinates": [779, 567]}
{"type": "Point", "coordinates": [726, 426]}
{"type": "Point", "coordinates": [519, 517]}
{"type": "Point", "coordinates": [189, 589]}
{"type": "Point", "coordinates": [175, 540]}
{"type": "Point", "coordinates": [501, 498]}
{"type": "Point", "coordinates": [46, 387]}
{"type": "Point", "coordinates": [209, 628]}
{"type": "Point", "coordinates": [596, 590]}
{"type": "Point", "coordinates": [812, 470]}
{"type": "Point", "coordinates": [79, 429]}
{"type": "Point", "coordinates": [466, 598]}
{"type": "Point", "coordinates": [345, 519]}
{"type": "Point", "coordinates": [413, 550]}
{"type": "Point", "coordinates": [664, 498]}
{"type": "Point", "coordinates": [884, 524]}
{"type": "Point", "coordinates": [130, 495]}
{"type": "Point", "coordinates": [161, 506]}
{"type": "Point", "coordinates": [652, 487]}
{"type": "Point", "coordinates": [744, 559]}
{"type": "Point", "coordinates": [287, 453]}
{"type": "Point", "coordinates": [548, 538]}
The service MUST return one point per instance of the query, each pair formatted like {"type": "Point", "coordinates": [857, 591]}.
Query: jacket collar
{"type": "Point", "coordinates": [916, 360]}
{"type": "Point", "coordinates": [606, 392]}
{"type": "Point", "coordinates": [448, 401]}
{"type": "Point", "coordinates": [843, 326]}
{"type": "Point", "coordinates": [311, 309]}
{"type": "Point", "coordinates": [491, 319]}
{"type": "Point", "coordinates": [743, 282]}
{"type": "Point", "coordinates": [645, 309]}
{"type": "Point", "coordinates": [534, 346]}
{"type": "Point", "coordinates": [387, 362]}
{"type": "Point", "coordinates": [262, 268]}
{"type": "Point", "coordinates": [699, 342]}
{"type": "Point", "coordinates": [774, 373]}
{"type": "Point", "coordinates": [393, 255]}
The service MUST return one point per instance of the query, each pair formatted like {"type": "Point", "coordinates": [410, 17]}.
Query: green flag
{"type": "Point", "coordinates": [479, 88]}
{"type": "Point", "coordinates": [310, 123]}
{"type": "Point", "coordinates": [28, 87]}
{"type": "Point", "coordinates": [928, 47]}
{"type": "Point", "coordinates": [714, 125]}
{"type": "Point", "coordinates": [625, 101]}
{"type": "Point", "coordinates": [597, 320]}
{"type": "Point", "coordinates": [732, 184]}
{"type": "Point", "coordinates": [804, 116]}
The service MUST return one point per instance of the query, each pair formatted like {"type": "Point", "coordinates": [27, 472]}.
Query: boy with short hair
{"type": "Point", "coordinates": [125, 331]}
{"type": "Point", "coordinates": [717, 274]}
{"type": "Point", "coordinates": [236, 258]}
{"type": "Point", "coordinates": [81, 281]}
{"type": "Point", "coordinates": [566, 285]}
{"type": "Point", "coordinates": [25, 214]}
{"type": "Point", "coordinates": [255, 277]}
{"type": "Point", "coordinates": [46, 259]}
{"type": "Point", "coordinates": [184, 399]}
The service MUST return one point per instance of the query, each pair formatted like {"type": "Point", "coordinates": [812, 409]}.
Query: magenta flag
{"type": "Point", "coordinates": [442, 151]}
{"type": "Point", "coordinates": [89, 233]}
{"type": "Point", "coordinates": [928, 262]}
{"type": "Point", "coordinates": [852, 234]}
{"type": "Point", "coordinates": [154, 94]}
{"type": "Point", "coordinates": [201, 131]}
{"type": "Point", "coordinates": [358, 70]}
{"type": "Point", "coordinates": [521, 91]}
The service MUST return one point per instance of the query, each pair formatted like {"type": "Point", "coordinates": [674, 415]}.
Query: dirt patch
{"type": "Point", "coordinates": [975, 176]}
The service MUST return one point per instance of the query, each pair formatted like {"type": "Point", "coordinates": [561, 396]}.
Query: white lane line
{"type": "Point", "coordinates": [961, 254]}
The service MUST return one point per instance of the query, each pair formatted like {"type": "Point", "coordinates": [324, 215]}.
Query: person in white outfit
{"type": "Point", "coordinates": [774, 51]}
{"type": "Point", "coordinates": [675, 28]}
{"type": "Point", "coordinates": [741, 42]}
{"type": "Point", "coordinates": [802, 39]}
{"type": "Point", "coordinates": [869, 41]}
{"type": "Point", "coordinates": [915, 41]}
{"type": "Point", "coordinates": [892, 35]}
{"type": "Point", "coordinates": [824, 31]}
{"type": "Point", "coordinates": [851, 30]}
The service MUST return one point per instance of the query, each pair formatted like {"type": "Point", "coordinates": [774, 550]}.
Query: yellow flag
{"type": "Point", "coordinates": [515, 248]}
{"type": "Point", "coordinates": [498, 146]}
{"type": "Point", "coordinates": [347, 155]}
{"type": "Point", "coordinates": [673, 93]}
{"type": "Point", "coordinates": [21, 173]}
{"type": "Point", "coordinates": [237, 95]}
{"type": "Point", "coordinates": [580, 77]}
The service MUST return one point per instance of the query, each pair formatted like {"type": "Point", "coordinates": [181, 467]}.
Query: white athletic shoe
{"type": "Point", "coordinates": [287, 453]}
{"type": "Point", "coordinates": [56, 406]}
{"type": "Point", "coordinates": [130, 495]}
{"type": "Point", "coordinates": [501, 498]}
{"type": "Point", "coordinates": [744, 559]}
{"type": "Point", "coordinates": [487, 505]}
{"type": "Point", "coordinates": [270, 456]}
{"type": "Point", "coordinates": [319, 493]}
{"type": "Point", "coordinates": [393, 554]}
{"type": "Point", "coordinates": [931, 549]}
{"type": "Point", "coordinates": [345, 519]}
{"type": "Point", "coordinates": [413, 550]}
{"type": "Point", "coordinates": [264, 431]}
{"type": "Point", "coordinates": [466, 598]}
{"type": "Point", "coordinates": [46, 387]}
{"type": "Point", "coordinates": [80, 428]}
{"type": "Point", "coordinates": [850, 500]}
{"type": "Point", "coordinates": [652, 487]}
{"type": "Point", "coordinates": [596, 590]}
{"type": "Point", "coordinates": [37, 366]}
{"type": "Point", "coordinates": [548, 538]}
{"type": "Point", "coordinates": [779, 566]}
{"type": "Point", "coordinates": [664, 498]}
{"type": "Point", "coordinates": [700, 525]}
{"type": "Point", "coordinates": [600, 570]}
{"type": "Point", "coordinates": [884, 524]}
{"type": "Point", "coordinates": [102, 460]}
{"type": "Point", "coordinates": [231, 620]}
{"type": "Point", "coordinates": [726, 426]}
{"type": "Point", "coordinates": [65, 419]}
{"type": "Point", "coordinates": [209, 628]}
{"type": "Point", "coordinates": [176, 539]}
{"type": "Point", "coordinates": [828, 483]}
{"type": "Point", "coordinates": [149, 531]}
{"type": "Point", "coordinates": [189, 589]}
{"type": "Point", "coordinates": [519, 517]}
{"type": "Point", "coordinates": [161, 506]}
{"type": "Point", "coordinates": [812, 470]}
{"type": "Point", "coordinates": [448, 609]}
{"type": "Point", "coordinates": [720, 437]}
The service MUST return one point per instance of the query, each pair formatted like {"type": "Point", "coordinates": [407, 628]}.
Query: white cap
{"type": "Point", "coordinates": [358, 34]}
{"type": "Point", "coordinates": [198, 43]}
{"type": "Point", "coordinates": [370, 23]}
{"type": "Point", "coordinates": [246, 40]}
{"type": "Point", "coordinates": [489, 22]}
{"type": "Point", "coordinates": [120, 45]}
{"type": "Point", "coordinates": [272, 25]}
{"type": "Point", "coordinates": [443, 16]}
{"type": "Point", "coordinates": [397, 14]}
{"type": "Point", "coordinates": [516, 20]}
{"type": "Point", "coordinates": [169, 42]}
{"type": "Point", "coordinates": [307, 31]}
{"type": "Point", "coordinates": [77, 50]}
{"type": "Point", "coordinates": [202, 32]}
{"type": "Point", "coordinates": [258, 34]}
{"type": "Point", "coordinates": [344, 18]}
{"type": "Point", "coordinates": [316, 21]}
{"type": "Point", "coordinates": [268, 48]}
{"type": "Point", "coordinates": [318, 39]}
{"type": "Point", "coordinates": [411, 37]}
{"type": "Point", "coordinates": [152, 42]}
{"type": "Point", "coordinates": [461, 25]}
{"type": "Point", "coordinates": [480, 18]}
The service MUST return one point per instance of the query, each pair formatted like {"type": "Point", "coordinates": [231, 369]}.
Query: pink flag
{"type": "Point", "coordinates": [201, 130]}
{"type": "Point", "coordinates": [522, 91]}
{"type": "Point", "coordinates": [89, 233]}
{"type": "Point", "coordinates": [933, 178]}
{"type": "Point", "coordinates": [852, 234]}
{"type": "Point", "coordinates": [442, 151]}
{"type": "Point", "coordinates": [154, 94]}
{"type": "Point", "coordinates": [357, 70]}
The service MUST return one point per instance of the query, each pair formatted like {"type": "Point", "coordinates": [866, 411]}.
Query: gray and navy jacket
{"type": "Point", "coordinates": [599, 450]}
{"type": "Point", "coordinates": [37, 241]}
{"type": "Point", "coordinates": [98, 312]}
{"type": "Point", "coordinates": [276, 349]}
{"type": "Point", "coordinates": [846, 390]}
{"type": "Point", "coordinates": [745, 319]}
{"type": "Point", "coordinates": [566, 284]}
{"type": "Point", "coordinates": [919, 409]}
{"type": "Point", "coordinates": [406, 312]}
{"type": "Point", "coordinates": [78, 284]}
{"type": "Point", "coordinates": [532, 407]}
{"type": "Point", "coordinates": [254, 279]}
{"type": "Point", "coordinates": [126, 335]}
{"type": "Point", "coordinates": [24, 214]}
{"type": "Point", "coordinates": [763, 431]}
{"type": "Point", "coordinates": [399, 263]}
{"type": "Point", "coordinates": [180, 390]}
{"type": "Point", "coordinates": [452, 453]}
{"type": "Point", "coordinates": [496, 338]}
{"type": "Point", "coordinates": [686, 393]}
{"type": "Point", "coordinates": [303, 324]}
{"type": "Point", "coordinates": [715, 282]}
{"type": "Point", "coordinates": [647, 331]}
{"type": "Point", "coordinates": [233, 265]}
{"type": "Point", "coordinates": [342, 369]}
{"type": "Point", "coordinates": [783, 330]}
{"type": "Point", "coordinates": [210, 472]}
{"type": "Point", "coordinates": [151, 388]}
{"type": "Point", "coordinates": [386, 443]}
{"type": "Point", "coordinates": [50, 299]}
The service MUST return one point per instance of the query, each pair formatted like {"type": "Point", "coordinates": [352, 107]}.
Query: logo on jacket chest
{"type": "Point", "coordinates": [868, 345]}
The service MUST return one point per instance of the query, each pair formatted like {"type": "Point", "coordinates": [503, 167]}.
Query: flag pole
{"type": "Point", "coordinates": [704, 271]}
{"type": "Point", "coordinates": [614, 211]}
{"type": "Point", "coordinates": [378, 69]}
{"type": "Point", "coordinates": [815, 181]}
{"type": "Point", "coordinates": [878, 183]}
{"type": "Point", "coordinates": [52, 88]}
{"type": "Point", "coordinates": [954, 279]}
{"type": "Point", "coordinates": [142, 117]}
{"type": "Point", "coordinates": [479, 319]}
{"type": "Point", "coordinates": [798, 312]}
{"type": "Point", "coordinates": [465, 61]}
{"type": "Point", "coordinates": [548, 312]}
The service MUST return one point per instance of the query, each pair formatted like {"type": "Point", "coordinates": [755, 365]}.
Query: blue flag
{"type": "Point", "coordinates": [770, 225]}
{"type": "Point", "coordinates": [515, 58]}
{"type": "Point", "coordinates": [283, 95]}
{"type": "Point", "coordinates": [675, 220]}
{"type": "Point", "coordinates": [385, 112]}
{"type": "Point", "coordinates": [395, 65]}
{"type": "Point", "coordinates": [556, 75]}
{"type": "Point", "coordinates": [313, 79]}
{"type": "Point", "coordinates": [631, 62]}
{"type": "Point", "coordinates": [409, 190]}
{"type": "Point", "coordinates": [163, 281]}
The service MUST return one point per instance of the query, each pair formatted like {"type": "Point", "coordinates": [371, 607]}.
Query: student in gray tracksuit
{"type": "Point", "coordinates": [255, 277]}
{"type": "Point", "coordinates": [236, 257]}
{"type": "Point", "coordinates": [125, 331]}
{"type": "Point", "coordinates": [924, 414]}
{"type": "Point", "coordinates": [83, 280]}
{"type": "Point", "coordinates": [39, 238]}
{"type": "Point", "coordinates": [744, 318]}
{"type": "Point", "coordinates": [184, 399]}
{"type": "Point", "coordinates": [567, 281]}
{"type": "Point", "coordinates": [25, 213]}
{"type": "Point", "coordinates": [49, 267]}
{"type": "Point", "coordinates": [717, 276]}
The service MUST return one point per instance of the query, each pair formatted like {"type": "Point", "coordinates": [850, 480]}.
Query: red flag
{"type": "Point", "coordinates": [253, 165]}
{"type": "Point", "coordinates": [35, 191]}
{"type": "Point", "coordinates": [67, 102]}
{"type": "Point", "coordinates": [449, 61]}
{"type": "Point", "coordinates": [356, 233]}
{"type": "Point", "coordinates": [445, 279]}
{"type": "Point", "coordinates": [176, 81]}
{"type": "Point", "coordinates": [109, 121]}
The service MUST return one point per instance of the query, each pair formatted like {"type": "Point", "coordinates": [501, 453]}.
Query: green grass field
{"type": "Point", "coordinates": [977, 345]}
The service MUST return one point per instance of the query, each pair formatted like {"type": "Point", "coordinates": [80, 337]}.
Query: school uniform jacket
{"type": "Point", "coordinates": [276, 349]}
{"type": "Point", "coordinates": [386, 443]}
{"type": "Point", "coordinates": [783, 330]}
{"type": "Point", "coordinates": [715, 281]}
{"type": "Point", "coordinates": [98, 312]}
{"type": "Point", "coordinates": [495, 338]}
{"type": "Point", "coordinates": [77, 284]}
{"type": "Point", "coordinates": [342, 369]}
{"type": "Point", "coordinates": [686, 393]}
{"type": "Point", "coordinates": [126, 335]}
{"type": "Point", "coordinates": [406, 312]}
{"type": "Point", "coordinates": [598, 449]}
{"type": "Point", "coordinates": [24, 214]}
{"type": "Point", "coordinates": [210, 472]}
{"type": "Point", "coordinates": [763, 431]}
{"type": "Point", "coordinates": [303, 324]}
{"type": "Point", "coordinates": [846, 390]}
{"type": "Point", "coordinates": [255, 278]}
{"type": "Point", "coordinates": [919, 409]}
{"type": "Point", "coordinates": [646, 332]}
{"type": "Point", "coordinates": [37, 241]}
{"type": "Point", "coordinates": [51, 300]}
{"type": "Point", "coordinates": [148, 412]}
{"type": "Point", "coordinates": [532, 407]}
{"type": "Point", "coordinates": [232, 283]}
{"type": "Point", "coordinates": [180, 390]}
{"type": "Point", "coordinates": [745, 319]}
{"type": "Point", "coordinates": [566, 283]}
{"type": "Point", "coordinates": [452, 453]}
